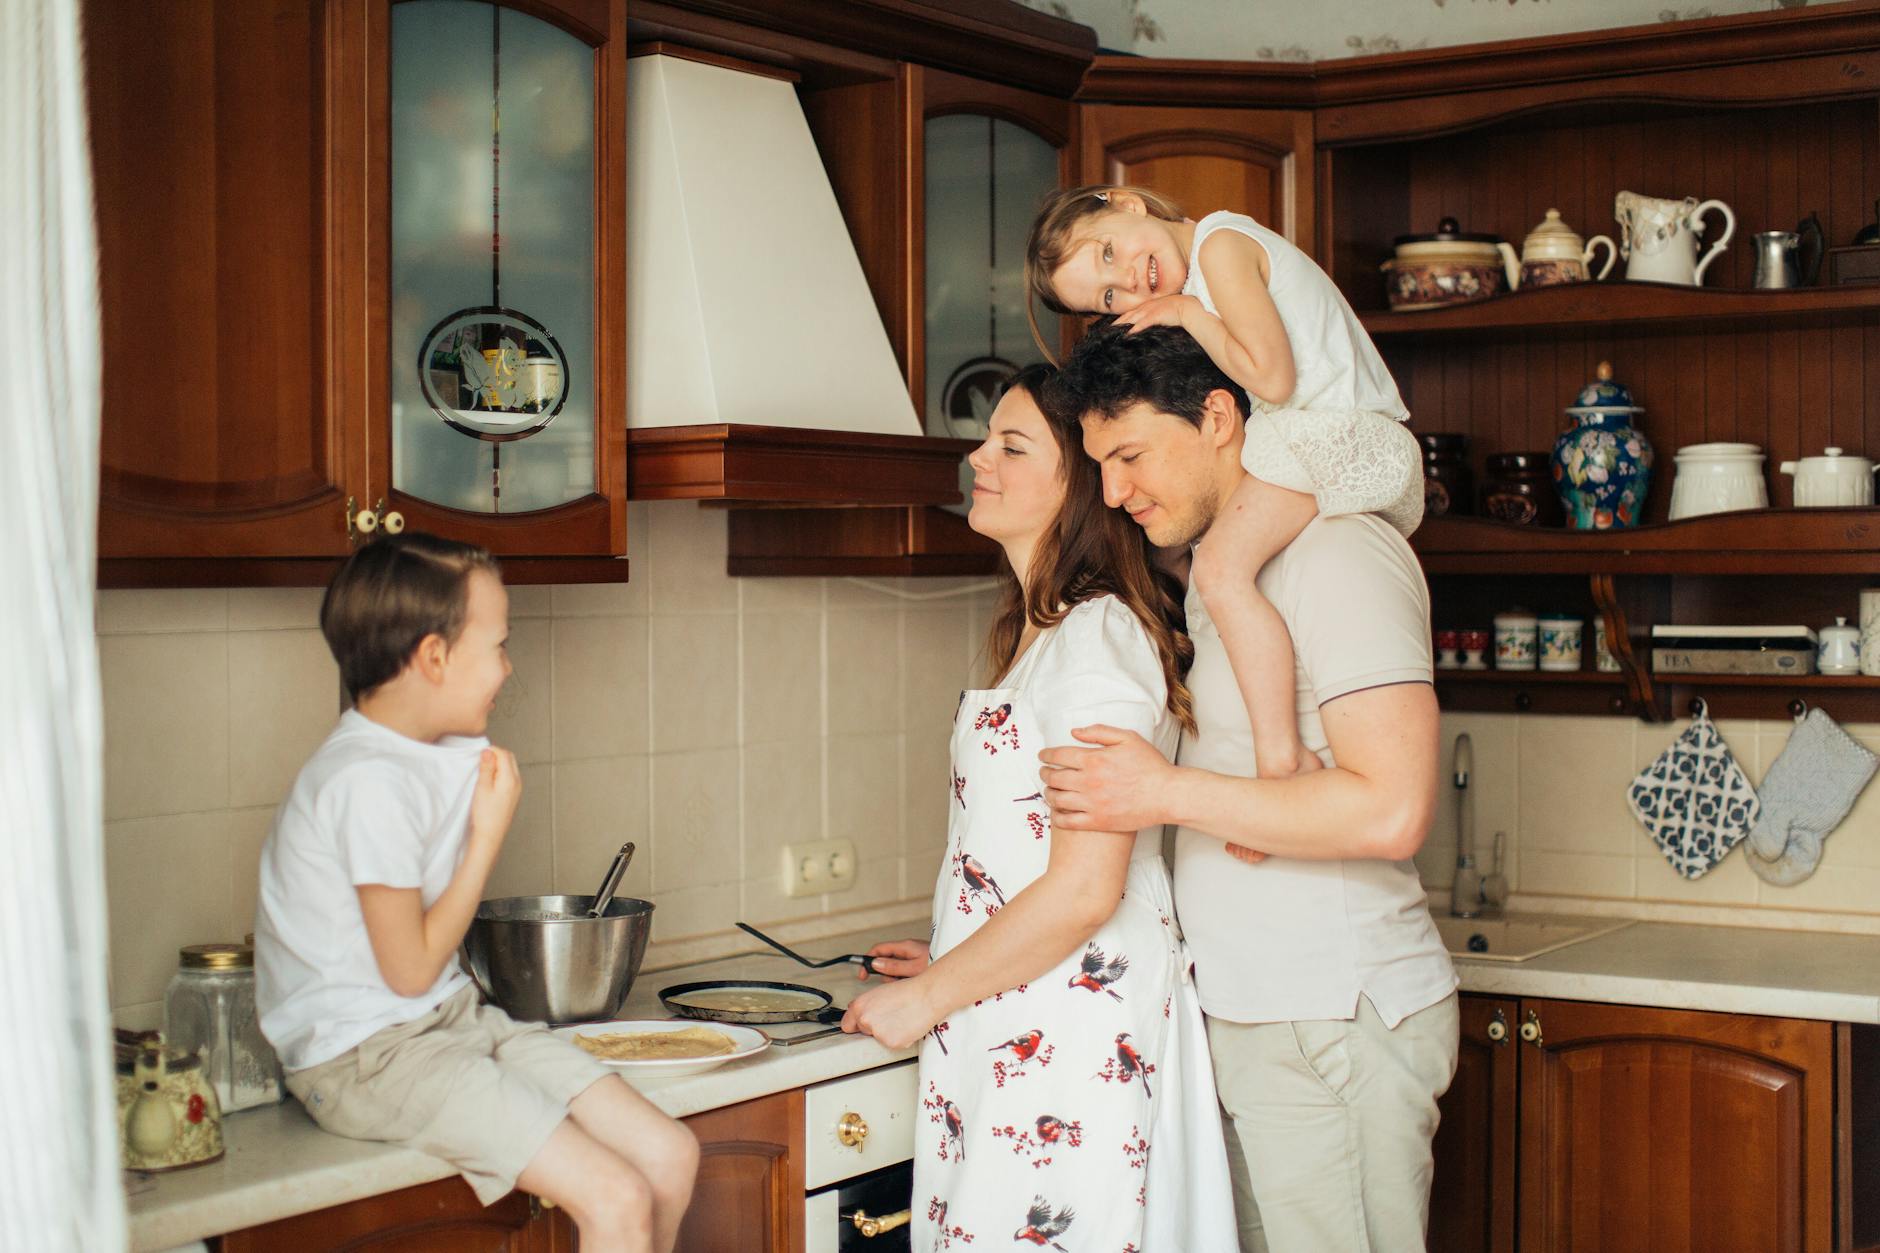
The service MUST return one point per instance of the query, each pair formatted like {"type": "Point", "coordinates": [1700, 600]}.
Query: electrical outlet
{"type": "Point", "coordinates": [817, 867]}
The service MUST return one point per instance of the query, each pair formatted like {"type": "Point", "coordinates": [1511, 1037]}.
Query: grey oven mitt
{"type": "Point", "coordinates": [1694, 799]}
{"type": "Point", "coordinates": [1806, 793]}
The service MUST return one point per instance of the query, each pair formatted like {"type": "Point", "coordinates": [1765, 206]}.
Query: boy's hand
{"type": "Point", "coordinates": [499, 790]}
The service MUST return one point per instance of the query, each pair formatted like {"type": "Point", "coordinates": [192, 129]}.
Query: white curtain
{"type": "Point", "coordinates": [59, 1178]}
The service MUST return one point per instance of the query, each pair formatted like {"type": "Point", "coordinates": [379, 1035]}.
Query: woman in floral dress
{"type": "Point", "coordinates": [1067, 1099]}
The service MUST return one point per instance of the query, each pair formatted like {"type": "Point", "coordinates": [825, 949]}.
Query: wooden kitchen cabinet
{"type": "Point", "coordinates": [1472, 1201]}
{"type": "Point", "coordinates": [749, 1195]}
{"type": "Point", "coordinates": [441, 1217]}
{"type": "Point", "coordinates": [1252, 161]}
{"type": "Point", "coordinates": [749, 1198]}
{"type": "Point", "coordinates": [1638, 1129]}
{"type": "Point", "coordinates": [229, 151]}
{"type": "Point", "coordinates": [243, 155]}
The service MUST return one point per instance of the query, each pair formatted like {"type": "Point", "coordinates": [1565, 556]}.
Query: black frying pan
{"type": "Point", "coordinates": [825, 1012]}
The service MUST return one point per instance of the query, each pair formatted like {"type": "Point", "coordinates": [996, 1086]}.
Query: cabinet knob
{"type": "Point", "coordinates": [852, 1130]}
{"type": "Point", "coordinates": [394, 522]}
{"type": "Point", "coordinates": [1523, 702]}
{"type": "Point", "coordinates": [365, 522]}
{"type": "Point", "coordinates": [1531, 1029]}
{"type": "Point", "coordinates": [1498, 1029]}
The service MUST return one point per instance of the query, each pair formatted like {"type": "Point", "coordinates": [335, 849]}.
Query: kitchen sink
{"type": "Point", "coordinates": [1515, 938]}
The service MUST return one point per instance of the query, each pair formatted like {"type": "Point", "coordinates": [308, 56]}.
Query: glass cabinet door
{"type": "Point", "coordinates": [985, 177]}
{"type": "Point", "coordinates": [492, 259]}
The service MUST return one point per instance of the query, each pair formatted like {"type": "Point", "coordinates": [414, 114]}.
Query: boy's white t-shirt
{"type": "Point", "coordinates": [370, 806]}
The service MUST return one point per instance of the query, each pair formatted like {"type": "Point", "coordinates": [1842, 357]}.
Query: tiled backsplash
{"type": "Point", "coordinates": [1557, 786]}
{"type": "Point", "coordinates": [711, 720]}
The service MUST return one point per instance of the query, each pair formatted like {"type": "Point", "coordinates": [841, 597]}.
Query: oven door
{"type": "Point", "coordinates": [841, 1218]}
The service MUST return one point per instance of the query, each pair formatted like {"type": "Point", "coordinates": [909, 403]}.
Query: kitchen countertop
{"type": "Point", "coordinates": [279, 1164]}
{"type": "Point", "coordinates": [1740, 970]}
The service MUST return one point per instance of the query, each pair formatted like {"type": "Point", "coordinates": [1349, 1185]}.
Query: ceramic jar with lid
{"type": "Point", "coordinates": [1517, 640]}
{"type": "Point", "coordinates": [1519, 488]}
{"type": "Point", "coordinates": [1837, 649]}
{"type": "Point", "coordinates": [1832, 479]}
{"type": "Point", "coordinates": [1448, 484]}
{"type": "Point", "coordinates": [1603, 463]}
{"type": "Point", "coordinates": [1553, 254]}
{"type": "Point", "coordinates": [1448, 267]}
{"type": "Point", "coordinates": [1717, 478]}
{"type": "Point", "coordinates": [209, 1011]}
{"type": "Point", "coordinates": [168, 1116]}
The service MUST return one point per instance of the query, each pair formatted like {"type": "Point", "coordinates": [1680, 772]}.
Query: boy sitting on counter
{"type": "Point", "coordinates": [371, 876]}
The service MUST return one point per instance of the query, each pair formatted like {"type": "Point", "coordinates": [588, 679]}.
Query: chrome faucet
{"type": "Point", "coordinates": [1465, 895]}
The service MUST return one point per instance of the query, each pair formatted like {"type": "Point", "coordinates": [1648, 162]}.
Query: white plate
{"type": "Point", "coordinates": [748, 1041]}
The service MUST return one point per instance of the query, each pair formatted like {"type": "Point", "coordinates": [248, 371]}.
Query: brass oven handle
{"type": "Point", "coordinates": [851, 1130]}
{"type": "Point", "coordinates": [874, 1226]}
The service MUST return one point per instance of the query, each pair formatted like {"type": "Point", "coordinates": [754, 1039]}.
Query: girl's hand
{"type": "Point", "coordinates": [897, 1014]}
{"type": "Point", "coordinates": [897, 959]}
{"type": "Point", "coordinates": [1160, 311]}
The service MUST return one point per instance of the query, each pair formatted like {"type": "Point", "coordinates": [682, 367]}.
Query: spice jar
{"type": "Point", "coordinates": [209, 1008]}
{"type": "Point", "coordinates": [1447, 481]}
{"type": "Point", "coordinates": [1520, 488]}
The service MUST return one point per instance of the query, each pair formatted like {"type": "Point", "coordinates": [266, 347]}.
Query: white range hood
{"type": "Point", "coordinates": [745, 300]}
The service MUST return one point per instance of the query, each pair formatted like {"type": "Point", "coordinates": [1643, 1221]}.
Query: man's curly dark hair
{"type": "Point", "coordinates": [1111, 370]}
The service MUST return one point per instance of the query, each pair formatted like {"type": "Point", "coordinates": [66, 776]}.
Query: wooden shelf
{"type": "Point", "coordinates": [1845, 682]}
{"type": "Point", "coordinates": [786, 466]}
{"type": "Point", "coordinates": [1759, 541]}
{"type": "Point", "coordinates": [1592, 677]}
{"type": "Point", "coordinates": [1616, 303]}
{"type": "Point", "coordinates": [858, 543]}
{"type": "Point", "coordinates": [147, 572]}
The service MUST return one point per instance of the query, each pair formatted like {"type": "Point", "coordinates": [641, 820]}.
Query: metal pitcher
{"type": "Point", "coordinates": [1782, 260]}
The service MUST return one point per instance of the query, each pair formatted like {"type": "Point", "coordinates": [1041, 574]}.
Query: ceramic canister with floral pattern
{"type": "Point", "coordinates": [1517, 641]}
{"type": "Point", "coordinates": [1560, 642]}
{"type": "Point", "coordinates": [1603, 464]}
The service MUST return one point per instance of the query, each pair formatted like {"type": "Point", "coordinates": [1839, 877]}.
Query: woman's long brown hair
{"type": "Point", "coordinates": [1090, 550]}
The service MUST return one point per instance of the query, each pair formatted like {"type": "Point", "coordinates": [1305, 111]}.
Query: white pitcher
{"type": "Point", "coordinates": [1659, 239]}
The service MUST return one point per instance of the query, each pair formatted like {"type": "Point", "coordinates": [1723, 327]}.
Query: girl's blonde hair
{"type": "Point", "coordinates": [1053, 233]}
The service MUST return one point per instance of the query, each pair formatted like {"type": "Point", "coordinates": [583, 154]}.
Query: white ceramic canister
{"type": "Point", "coordinates": [1717, 478]}
{"type": "Point", "coordinates": [1517, 641]}
{"type": "Point", "coordinates": [1560, 642]}
{"type": "Point", "coordinates": [1834, 478]}
{"type": "Point", "coordinates": [1837, 650]}
{"type": "Point", "coordinates": [1603, 660]}
{"type": "Point", "coordinates": [1870, 631]}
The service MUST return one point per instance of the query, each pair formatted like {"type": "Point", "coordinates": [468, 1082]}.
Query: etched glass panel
{"type": "Point", "coordinates": [492, 288]}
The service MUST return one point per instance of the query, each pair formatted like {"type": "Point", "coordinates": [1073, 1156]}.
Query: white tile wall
{"type": "Point", "coordinates": [1557, 787]}
{"type": "Point", "coordinates": [710, 720]}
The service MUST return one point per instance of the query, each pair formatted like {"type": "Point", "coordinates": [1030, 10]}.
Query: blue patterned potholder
{"type": "Point", "coordinates": [1695, 800]}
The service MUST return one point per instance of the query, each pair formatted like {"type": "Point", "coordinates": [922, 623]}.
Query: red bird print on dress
{"type": "Point", "coordinates": [1051, 1130]}
{"type": "Point", "coordinates": [1097, 976]}
{"type": "Point", "coordinates": [955, 1131]}
{"type": "Point", "coordinates": [1131, 1061]}
{"type": "Point", "coordinates": [1023, 1047]}
{"type": "Point", "coordinates": [978, 882]}
{"type": "Point", "coordinates": [1042, 1227]}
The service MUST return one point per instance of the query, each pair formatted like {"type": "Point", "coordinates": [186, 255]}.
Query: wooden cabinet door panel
{"type": "Point", "coordinates": [1252, 161]}
{"type": "Point", "coordinates": [1666, 1130]}
{"type": "Point", "coordinates": [1472, 1197]}
{"type": "Point", "coordinates": [221, 137]}
{"type": "Point", "coordinates": [749, 1194]}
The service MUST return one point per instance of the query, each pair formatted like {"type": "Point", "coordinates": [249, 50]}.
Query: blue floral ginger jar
{"type": "Point", "coordinates": [1602, 463]}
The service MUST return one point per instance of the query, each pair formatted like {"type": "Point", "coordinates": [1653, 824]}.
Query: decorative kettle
{"type": "Point", "coordinates": [1553, 254]}
{"type": "Point", "coordinates": [168, 1116]}
{"type": "Point", "coordinates": [1659, 237]}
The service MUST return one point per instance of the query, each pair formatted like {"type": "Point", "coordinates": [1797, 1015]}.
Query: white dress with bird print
{"type": "Point", "coordinates": [1075, 1112]}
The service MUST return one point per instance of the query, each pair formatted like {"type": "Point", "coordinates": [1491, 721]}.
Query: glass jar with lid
{"type": "Point", "coordinates": [209, 1008]}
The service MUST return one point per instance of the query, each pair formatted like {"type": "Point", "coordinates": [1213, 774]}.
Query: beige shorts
{"type": "Point", "coordinates": [464, 1082]}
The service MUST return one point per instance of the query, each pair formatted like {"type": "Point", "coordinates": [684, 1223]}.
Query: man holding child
{"type": "Point", "coordinates": [1331, 1003]}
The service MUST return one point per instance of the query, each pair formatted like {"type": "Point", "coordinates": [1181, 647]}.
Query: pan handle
{"type": "Point", "coordinates": [787, 1041]}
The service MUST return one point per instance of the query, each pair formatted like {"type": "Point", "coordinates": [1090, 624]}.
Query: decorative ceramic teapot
{"type": "Point", "coordinates": [1603, 464]}
{"type": "Point", "coordinates": [1659, 239]}
{"type": "Point", "coordinates": [1553, 254]}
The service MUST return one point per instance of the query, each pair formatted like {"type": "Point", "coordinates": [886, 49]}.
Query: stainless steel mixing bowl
{"type": "Point", "coordinates": [542, 959]}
